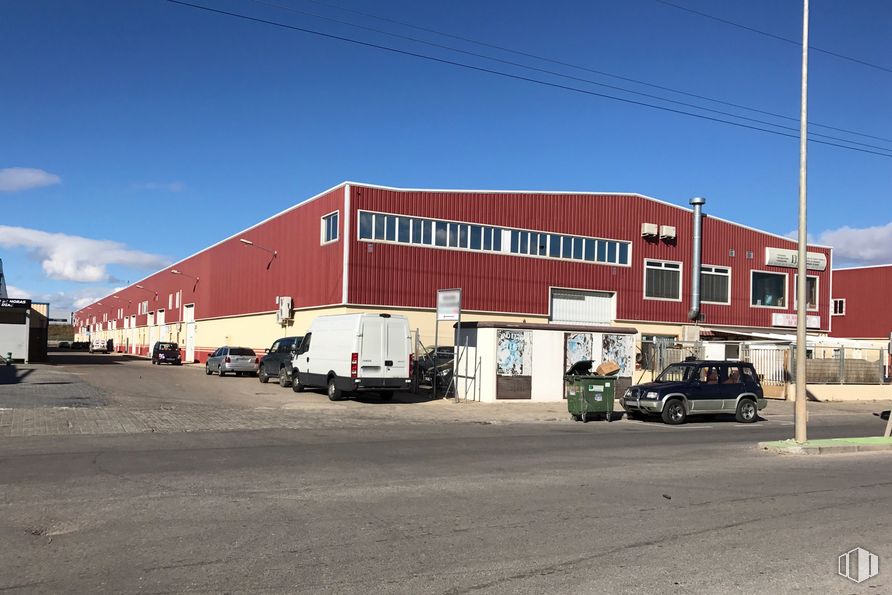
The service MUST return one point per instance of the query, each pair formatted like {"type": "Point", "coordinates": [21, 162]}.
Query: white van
{"type": "Point", "coordinates": [347, 353]}
{"type": "Point", "coordinates": [97, 345]}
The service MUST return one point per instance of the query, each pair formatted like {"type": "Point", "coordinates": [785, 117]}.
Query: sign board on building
{"type": "Point", "coordinates": [448, 304]}
{"type": "Point", "coordinates": [15, 303]}
{"type": "Point", "coordinates": [781, 257]}
{"type": "Point", "coordinates": [780, 319]}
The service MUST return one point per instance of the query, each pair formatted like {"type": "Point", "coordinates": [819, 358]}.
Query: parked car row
{"type": "Point", "coordinates": [344, 354]}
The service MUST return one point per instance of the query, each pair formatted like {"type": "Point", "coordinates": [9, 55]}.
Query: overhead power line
{"type": "Point", "coordinates": [559, 74]}
{"type": "Point", "coordinates": [513, 76]}
{"type": "Point", "coordinates": [796, 42]}
{"type": "Point", "coordinates": [577, 66]}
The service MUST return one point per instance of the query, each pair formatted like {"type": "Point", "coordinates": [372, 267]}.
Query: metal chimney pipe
{"type": "Point", "coordinates": [697, 203]}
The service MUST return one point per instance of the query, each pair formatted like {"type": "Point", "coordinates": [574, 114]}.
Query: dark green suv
{"type": "Point", "coordinates": [698, 387]}
{"type": "Point", "coordinates": [276, 363]}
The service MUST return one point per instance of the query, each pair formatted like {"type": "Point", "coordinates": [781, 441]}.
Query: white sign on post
{"type": "Point", "coordinates": [448, 304]}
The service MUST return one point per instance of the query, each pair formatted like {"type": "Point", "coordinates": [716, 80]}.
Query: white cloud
{"type": "Point", "coordinates": [165, 186]}
{"type": "Point", "coordinates": [63, 303]}
{"type": "Point", "coordinates": [76, 258]}
{"type": "Point", "coordinates": [13, 179]}
{"type": "Point", "coordinates": [866, 245]}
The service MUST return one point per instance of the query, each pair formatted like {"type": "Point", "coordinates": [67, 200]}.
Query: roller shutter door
{"type": "Point", "coordinates": [582, 307]}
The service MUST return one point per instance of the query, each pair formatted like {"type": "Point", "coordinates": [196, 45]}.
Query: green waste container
{"type": "Point", "coordinates": [590, 396]}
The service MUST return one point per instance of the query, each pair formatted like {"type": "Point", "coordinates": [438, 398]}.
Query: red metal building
{"type": "Point", "coordinates": [860, 307]}
{"type": "Point", "coordinates": [534, 256]}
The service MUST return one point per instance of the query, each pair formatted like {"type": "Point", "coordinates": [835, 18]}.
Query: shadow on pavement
{"type": "Point", "coordinates": [75, 358]}
{"type": "Point", "coordinates": [12, 375]}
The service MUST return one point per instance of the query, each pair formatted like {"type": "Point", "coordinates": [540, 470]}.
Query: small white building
{"type": "Point", "coordinates": [497, 361]}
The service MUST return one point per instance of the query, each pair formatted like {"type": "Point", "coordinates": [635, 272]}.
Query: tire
{"type": "Point", "coordinates": [576, 417]}
{"type": "Point", "coordinates": [207, 370]}
{"type": "Point", "coordinates": [263, 376]}
{"type": "Point", "coordinates": [296, 386]}
{"type": "Point", "coordinates": [386, 395]}
{"type": "Point", "coordinates": [334, 393]}
{"type": "Point", "coordinates": [674, 412]}
{"type": "Point", "coordinates": [283, 377]}
{"type": "Point", "coordinates": [747, 412]}
{"type": "Point", "coordinates": [220, 371]}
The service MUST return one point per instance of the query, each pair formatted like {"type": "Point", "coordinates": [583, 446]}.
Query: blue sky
{"type": "Point", "coordinates": [155, 129]}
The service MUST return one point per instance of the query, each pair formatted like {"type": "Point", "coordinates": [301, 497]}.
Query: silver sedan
{"type": "Point", "coordinates": [238, 360]}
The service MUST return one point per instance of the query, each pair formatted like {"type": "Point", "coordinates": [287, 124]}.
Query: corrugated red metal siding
{"type": "Point", "coordinates": [405, 276]}
{"type": "Point", "coordinates": [234, 278]}
{"type": "Point", "coordinates": [866, 292]}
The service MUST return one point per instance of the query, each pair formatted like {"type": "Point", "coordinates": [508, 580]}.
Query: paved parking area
{"type": "Point", "coordinates": [77, 393]}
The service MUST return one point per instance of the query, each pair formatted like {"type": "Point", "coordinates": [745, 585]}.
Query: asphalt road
{"type": "Point", "coordinates": [457, 508]}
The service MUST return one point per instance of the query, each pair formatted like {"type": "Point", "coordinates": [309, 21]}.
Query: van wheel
{"type": "Point", "coordinates": [747, 412]}
{"type": "Point", "coordinates": [283, 377]}
{"type": "Point", "coordinates": [334, 393]}
{"type": "Point", "coordinates": [263, 376]}
{"type": "Point", "coordinates": [674, 412]}
{"type": "Point", "coordinates": [296, 386]}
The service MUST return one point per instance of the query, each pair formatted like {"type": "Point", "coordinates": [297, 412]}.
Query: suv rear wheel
{"type": "Point", "coordinates": [747, 412]}
{"type": "Point", "coordinates": [262, 375]}
{"type": "Point", "coordinates": [674, 412]}
{"type": "Point", "coordinates": [283, 377]}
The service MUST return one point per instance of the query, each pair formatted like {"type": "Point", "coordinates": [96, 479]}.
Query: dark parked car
{"type": "Point", "coordinates": [698, 387]}
{"type": "Point", "coordinates": [276, 363]}
{"type": "Point", "coordinates": [166, 353]}
{"type": "Point", "coordinates": [64, 345]}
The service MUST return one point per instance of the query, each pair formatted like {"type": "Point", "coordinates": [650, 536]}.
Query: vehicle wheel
{"type": "Point", "coordinates": [283, 377]}
{"type": "Point", "coordinates": [207, 370]}
{"type": "Point", "coordinates": [747, 412]}
{"type": "Point", "coordinates": [296, 386]}
{"type": "Point", "coordinates": [576, 417]}
{"type": "Point", "coordinates": [334, 393]}
{"type": "Point", "coordinates": [263, 376]}
{"type": "Point", "coordinates": [674, 412]}
{"type": "Point", "coordinates": [220, 371]}
{"type": "Point", "coordinates": [386, 395]}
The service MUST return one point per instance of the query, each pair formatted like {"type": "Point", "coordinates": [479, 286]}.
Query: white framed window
{"type": "Point", "coordinates": [662, 280]}
{"type": "Point", "coordinates": [169, 301]}
{"type": "Point", "coordinates": [715, 284]}
{"type": "Point", "coordinates": [179, 296]}
{"type": "Point", "coordinates": [330, 227]}
{"type": "Point", "coordinates": [839, 307]}
{"type": "Point", "coordinates": [768, 290]}
{"type": "Point", "coordinates": [475, 237]}
{"type": "Point", "coordinates": [811, 292]}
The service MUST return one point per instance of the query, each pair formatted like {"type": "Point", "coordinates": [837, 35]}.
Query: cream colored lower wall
{"type": "Point", "coordinates": [845, 392]}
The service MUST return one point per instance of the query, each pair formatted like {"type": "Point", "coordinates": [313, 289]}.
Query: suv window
{"type": "Point", "coordinates": [675, 373]}
{"type": "Point", "coordinates": [275, 347]}
{"type": "Point", "coordinates": [749, 375]}
{"type": "Point", "coordinates": [734, 375]}
{"type": "Point", "coordinates": [285, 345]}
{"type": "Point", "coordinates": [711, 374]}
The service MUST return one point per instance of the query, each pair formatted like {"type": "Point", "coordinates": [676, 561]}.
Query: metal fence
{"type": "Point", "coordinates": [842, 365]}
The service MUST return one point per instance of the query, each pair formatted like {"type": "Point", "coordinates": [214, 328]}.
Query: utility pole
{"type": "Point", "coordinates": [800, 412]}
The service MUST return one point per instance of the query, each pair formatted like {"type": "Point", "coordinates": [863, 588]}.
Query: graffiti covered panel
{"type": "Point", "coordinates": [621, 349]}
{"type": "Point", "coordinates": [514, 353]}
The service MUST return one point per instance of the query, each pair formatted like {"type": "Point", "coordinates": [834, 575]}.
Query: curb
{"type": "Point", "coordinates": [833, 446]}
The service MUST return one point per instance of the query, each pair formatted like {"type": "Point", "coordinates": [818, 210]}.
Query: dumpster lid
{"type": "Point", "coordinates": [581, 368]}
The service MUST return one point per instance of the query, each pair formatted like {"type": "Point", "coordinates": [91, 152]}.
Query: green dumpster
{"type": "Point", "coordinates": [589, 396]}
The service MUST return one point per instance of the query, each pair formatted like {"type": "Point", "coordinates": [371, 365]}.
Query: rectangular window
{"type": "Point", "coordinates": [442, 233]}
{"type": "Point", "coordinates": [541, 244]}
{"type": "Point", "coordinates": [463, 231]}
{"type": "Point", "coordinates": [623, 253]}
{"type": "Point", "coordinates": [330, 227]}
{"type": "Point", "coordinates": [768, 289]}
{"type": "Point", "coordinates": [500, 239]}
{"type": "Point", "coordinates": [476, 232]}
{"type": "Point", "coordinates": [715, 284]}
{"type": "Point", "coordinates": [390, 228]}
{"type": "Point", "coordinates": [662, 280]}
{"type": "Point", "coordinates": [554, 246]}
{"type": "Point", "coordinates": [487, 238]}
{"type": "Point", "coordinates": [169, 301]}
{"type": "Point", "coordinates": [839, 307]}
{"type": "Point", "coordinates": [811, 290]}
{"type": "Point", "coordinates": [365, 226]}
{"type": "Point", "coordinates": [178, 297]}
{"type": "Point", "coordinates": [567, 247]}
{"type": "Point", "coordinates": [427, 237]}
{"type": "Point", "coordinates": [404, 230]}
{"type": "Point", "coordinates": [590, 250]}
{"type": "Point", "coordinates": [611, 251]}
{"type": "Point", "coordinates": [417, 224]}
{"type": "Point", "coordinates": [380, 221]}
{"type": "Point", "coordinates": [577, 248]}
{"type": "Point", "coordinates": [453, 235]}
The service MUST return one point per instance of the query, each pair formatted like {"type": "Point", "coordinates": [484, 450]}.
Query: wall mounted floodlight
{"type": "Point", "coordinates": [176, 272]}
{"type": "Point", "coordinates": [138, 286]}
{"type": "Point", "coordinates": [274, 253]}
